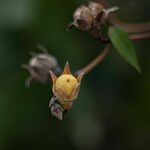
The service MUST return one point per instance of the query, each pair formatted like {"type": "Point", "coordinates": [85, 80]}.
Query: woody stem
{"type": "Point", "coordinates": [130, 27]}
{"type": "Point", "coordinates": [95, 61]}
{"type": "Point", "coordinates": [100, 58]}
{"type": "Point", "coordinates": [140, 36]}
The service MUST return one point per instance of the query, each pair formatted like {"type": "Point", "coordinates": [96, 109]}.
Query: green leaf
{"type": "Point", "coordinates": [124, 46]}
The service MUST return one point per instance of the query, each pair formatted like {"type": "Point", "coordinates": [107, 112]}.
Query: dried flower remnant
{"type": "Point", "coordinates": [39, 66]}
{"type": "Point", "coordinates": [97, 10]}
{"type": "Point", "coordinates": [100, 13]}
{"type": "Point", "coordinates": [91, 17]}
{"type": "Point", "coordinates": [65, 88]}
{"type": "Point", "coordinates": [83, 19]}
{"type": "Point", "coordinates": [57, 111]}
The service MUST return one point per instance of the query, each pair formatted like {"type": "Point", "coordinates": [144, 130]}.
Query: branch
{"type": "Point", "coordinates": [129, 27]}
{"type": "Point", "coordinates": [100, 58]}
{"type": "Point", "coordinates": [136, 32]}
{"type": "Point", "coordinates": [96, 61]}
{"type": "Point", "coordinates": [140, 36]}
{"type": "Point", "coordinates": [134, 37]}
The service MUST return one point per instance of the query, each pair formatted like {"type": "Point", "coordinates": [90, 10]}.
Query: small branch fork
{"type": "Point", "coordinates": [100, 58]}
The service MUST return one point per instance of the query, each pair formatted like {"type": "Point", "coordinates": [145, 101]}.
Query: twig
{"type": "Point", "coordinates": [106, 52]}
{"type": "Point", "coordinates": [96, 61]}
{"type": "Point", "coordinates": [134, 37]}
{"type": "Point", "coordinates": [140, 36]}
{"type": "Point", "coordinates": [133, 28]}
{"type": "Point", "coordinates": [128, 27]}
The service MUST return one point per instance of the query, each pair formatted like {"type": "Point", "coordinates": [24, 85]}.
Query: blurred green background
{"type": "Point", "coordinates": [112, 111]}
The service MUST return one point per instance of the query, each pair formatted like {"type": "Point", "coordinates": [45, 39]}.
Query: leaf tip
{"type": "Point", "coordinates": [139, 70]}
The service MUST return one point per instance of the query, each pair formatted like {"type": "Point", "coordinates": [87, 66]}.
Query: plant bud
{"type": "Point", "coordinates": [39, 66]}
{"type": "Point", "coordinates": [66, 87]}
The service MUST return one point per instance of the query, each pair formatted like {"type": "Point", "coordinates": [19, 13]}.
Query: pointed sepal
{"type": "Point", "coordinates": [66, 69]}
{"type": "Point", "coordinates": [80, 77]}
{"type": "Point", "coordinates": [71, 26]}
{"type": "Point", "coordinates": [53, 76]}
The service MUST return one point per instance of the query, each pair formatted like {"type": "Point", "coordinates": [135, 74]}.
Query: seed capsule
{"type": "Point", "coordinates": [83, 19]}
{"type": "Point", "coordinates": [39, 66]}
{"type": "Point", "coordinates": [92, 17]}
{"type": "Point", "coordinates": [100, 13]}
{"type": "Point", "coordinates": [95, 8]}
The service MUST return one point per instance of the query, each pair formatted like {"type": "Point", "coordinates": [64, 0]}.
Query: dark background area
{"type": "Point", "coordinates": [112, 111]}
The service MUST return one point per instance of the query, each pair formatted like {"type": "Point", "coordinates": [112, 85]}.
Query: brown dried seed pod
{"type": "Point", "coordinates": [83, 19]}
{"type": "Point", "coordinates": [97, 11]}
{"type": "Point", "coordinates": [95, 8]}
{"type": "Point", "coordinates": [39, 67]}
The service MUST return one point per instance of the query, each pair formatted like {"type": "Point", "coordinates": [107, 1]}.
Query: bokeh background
{"type": "Point", "coordinates": [112, 111]}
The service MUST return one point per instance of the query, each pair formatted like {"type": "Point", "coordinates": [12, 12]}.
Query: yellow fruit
{"type": "Point", "coordinates": [65, 84]}
{"type": "Point", "coordinates": [65, 87]}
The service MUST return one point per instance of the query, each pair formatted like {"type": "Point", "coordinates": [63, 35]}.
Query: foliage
{"type": "Point", "coordinates": [124, 46]}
